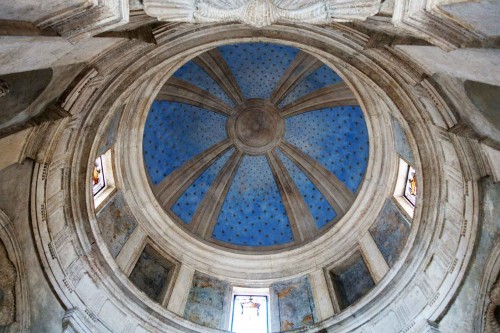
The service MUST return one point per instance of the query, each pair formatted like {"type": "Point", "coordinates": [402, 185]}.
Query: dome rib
{"type": "Point", "coordinates": [312, 150]}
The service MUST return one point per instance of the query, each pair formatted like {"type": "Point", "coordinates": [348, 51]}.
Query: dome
{"type": "Point", "coordinates": [249, 166]}
{"type": "Point", "coordinates": [273, 155]}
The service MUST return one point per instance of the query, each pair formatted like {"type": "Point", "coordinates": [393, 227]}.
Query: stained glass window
{"type": "Point", "coordinates": [249, 314]}
{"type": "Point", "coordinates": [410, 192]}
{"type": "Point", "coordinates": [98, 180]}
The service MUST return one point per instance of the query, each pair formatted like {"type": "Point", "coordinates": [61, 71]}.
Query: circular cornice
{"type": "Point", "coordinates": [331, 246]}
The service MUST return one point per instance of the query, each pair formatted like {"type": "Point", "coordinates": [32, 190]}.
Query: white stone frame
{"type": "Point", "coordinates": [106, 193]}
{"type": "Point", "coordinates": [399, 189]}
{"type": "Point", "coordinates": [414, 291]}
{"type": "Point", "coordinates": [250, 291]}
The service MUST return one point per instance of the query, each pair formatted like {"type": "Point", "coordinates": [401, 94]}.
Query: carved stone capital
{"type": "Point", "coordinates": [261, 13]}
{"type": "Point", "coordinates": [4, 88]}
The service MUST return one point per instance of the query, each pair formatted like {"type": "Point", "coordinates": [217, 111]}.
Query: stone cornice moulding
{"type": "Point", "coordinates": [261, 13]}
{"type": "Point", "coordinates": [422, 18]}
{"type": "Point", "coordinates": [77, 24]}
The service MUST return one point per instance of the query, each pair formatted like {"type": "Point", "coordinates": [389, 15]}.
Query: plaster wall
{"type": "Point", "coordinates": [45, 310]}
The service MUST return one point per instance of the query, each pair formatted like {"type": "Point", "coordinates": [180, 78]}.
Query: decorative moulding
{"type": "Point", "coordinates": [422, 19]}
{"type": "Point", "coordinates": [260, 13]}
{"type": "Point", "coordinates": [86, 21]}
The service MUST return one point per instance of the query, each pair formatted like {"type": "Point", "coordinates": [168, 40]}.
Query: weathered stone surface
{"type": "Point", "coordinates": [7, 288]}
{"type": "Point", "coordinates": [21, 54]}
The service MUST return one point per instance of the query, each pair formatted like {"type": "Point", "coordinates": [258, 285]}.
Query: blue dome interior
{"type": "Point", "coordinates": [252, 214]}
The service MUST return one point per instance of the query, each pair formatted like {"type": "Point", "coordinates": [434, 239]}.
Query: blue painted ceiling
{"type": "Point", "coordinates": [253, 214]}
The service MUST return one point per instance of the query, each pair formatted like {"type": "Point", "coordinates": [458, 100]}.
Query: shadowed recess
{"type": "Point", "coordinates": [253, 213]}
{"type": "Point", "coordinates": [194, 74]}
{"type": "Point", "coordinates": [186, 206]}
{"type": "Point", "coordinates": [258, 67]}
{"type": "Point", "coordinates": [322, 77]}
{"type": "Point", "coordinates": [336, 137]}
{"type": "Point", "coordinates": [320, 209]}
{"type": "Point", "coordinates": [352, 282]}
{"type": "Point", "coordinates": [152, 273]}
{"type": "Point", "coordinates": [177, 132]}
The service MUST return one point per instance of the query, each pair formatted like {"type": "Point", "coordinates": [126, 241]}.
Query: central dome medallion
{"type": "Point", "coordinates": [255, 147]}
{"type": "Point", "coordinates": [256, 127]}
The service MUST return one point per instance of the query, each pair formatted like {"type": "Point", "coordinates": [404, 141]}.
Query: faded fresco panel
{"type": "Point", "coordinates": [390, 232]}
{"type": "Point", "coordinates": [152, 272]}
{"type": "Point", "coordinates": [295, 303]}
{"type": "Point", "coordinates": [208, 301]}
{"type": "Point", "coordinates": [352, 281]}
{"type": "Point", "coordinates": [116, 223]}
